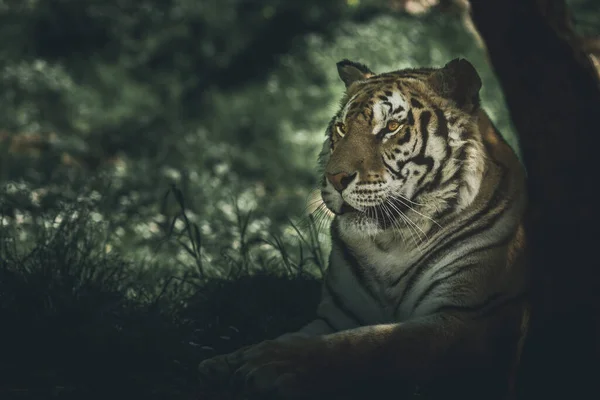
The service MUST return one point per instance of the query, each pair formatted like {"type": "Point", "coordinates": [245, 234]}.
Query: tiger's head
{"type": "Point", "coordinates": [404, 146]}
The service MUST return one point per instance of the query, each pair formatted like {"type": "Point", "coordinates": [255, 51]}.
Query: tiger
{"type": "Point", "coordinates": [427, 280]}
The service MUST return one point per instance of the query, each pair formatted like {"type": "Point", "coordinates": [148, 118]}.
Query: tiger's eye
{"type": "Point", "coordinates": [340, 128]}
{"type": "Point", "coordinates": [393, 125]}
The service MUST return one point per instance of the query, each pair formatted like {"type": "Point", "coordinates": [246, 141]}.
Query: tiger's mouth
{"type": "Point", "coordinates": [347, 208]}
{"type": "Point", "coordinates": [385, 214]}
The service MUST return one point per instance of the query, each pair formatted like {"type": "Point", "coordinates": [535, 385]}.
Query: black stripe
{"type": "Point", "coordinates": [442, 124]}
{"type": "Point", "coordinates": [424, 119]}
{"type": "Point", "coordinates": [442, 131]}
{"type": "Point", "coordinates": [397, 109]}
{"type": "Point", "coordinates": [414, 74]}
{"type": "Point", "coordinates": [404, 138]}
{"type": "Point", "coordinates": [504, 241]}
{"type": "Point", "coordinates": [381, 133]}
{"type": "Point", "coordinates": [487, 307]}
{"type": "Point", "coordinates": [423, 160]}
{"type": "Point", "coordinates": [437, 179]}
{"type": "Point", "coordinates": [416, 103]}
{"type": "Point", "coordinates": [414, 146]}
{"type": "Point", "coordinates": [492, 203]}
{"type": "Point", "coordinates": [438, 282]}
{"type": "Point", "coordinates": [327, 322]}
{"type": "Point", "coordinates": [470, 223]}
{"type": "Point", "coordinates": [358, 271]}
{"type": "Point", "coordinates": [365, 115]}
{"type": "Point", "coordinates": [402, 276]}
{"type": "Point", "coordinates": [390, 169]}
{"type": "Point", "coordinates": [399, 86]}
{"type": "Point", "coordinates": [394, 172]}
{"type": "Point", "coordinates": [451, 205]}
{"type": "Point", "coordinates": [423, 264]}
{"type": "Point", "coordinates": [410, 118]}
{"type": "Point", "coordinates": [337, 301]}
{"type": "Point", "coordinates": [453, 202]}
{"type": "Point", "coordinates": [474, 308]}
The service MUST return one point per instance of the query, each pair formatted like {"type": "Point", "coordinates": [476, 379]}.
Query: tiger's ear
{"type": "Point", "coordinates": [458, 81]}
{"type": "Point", "coordinates": [351, 72]}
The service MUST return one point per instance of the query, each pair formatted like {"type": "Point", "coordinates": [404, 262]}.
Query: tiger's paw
{"type": "Point", "coordinates": [217, 371]}
{"type": "Point", "coordinates": [290, 368]}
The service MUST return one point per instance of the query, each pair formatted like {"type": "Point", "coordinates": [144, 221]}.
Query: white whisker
{"type": "Point", "coordinates": [402, 200]}
{"type": "Point", "coordinates": [321, 217]}
{"type": "Point", "coordinates": [395, 223]}
{"type": "Point", "coordinates": [413, 227]}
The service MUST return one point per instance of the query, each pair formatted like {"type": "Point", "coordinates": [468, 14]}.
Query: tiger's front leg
{"type": "Point", "coordinates": [219, 371]}
{"type": "Point", "coordinates": [412, 352]}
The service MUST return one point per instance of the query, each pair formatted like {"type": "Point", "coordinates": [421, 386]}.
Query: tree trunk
{"type": "Point", "coordinates": [553, 95]}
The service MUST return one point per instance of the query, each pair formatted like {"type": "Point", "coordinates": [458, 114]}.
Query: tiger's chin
{"type": "Point", "coordinates": [357, 224]}
{"type": "Point", "coordinates": [367, 222]}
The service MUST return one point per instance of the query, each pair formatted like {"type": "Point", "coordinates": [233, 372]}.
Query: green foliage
{"type": "Point", "coordinates": [82, 322]}
{"type": "Point", "coordinates": [586, 16]}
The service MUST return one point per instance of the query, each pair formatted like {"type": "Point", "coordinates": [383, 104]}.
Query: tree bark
{"type": "Point", "coordinates": [553, 95]}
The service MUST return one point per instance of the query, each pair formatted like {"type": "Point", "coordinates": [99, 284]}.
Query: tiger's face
{"type": "Point", "coordinates": [402, 143]}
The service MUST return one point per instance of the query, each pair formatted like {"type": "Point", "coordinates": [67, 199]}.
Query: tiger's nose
{"type": "Point", "coordinates": [341, 180]}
